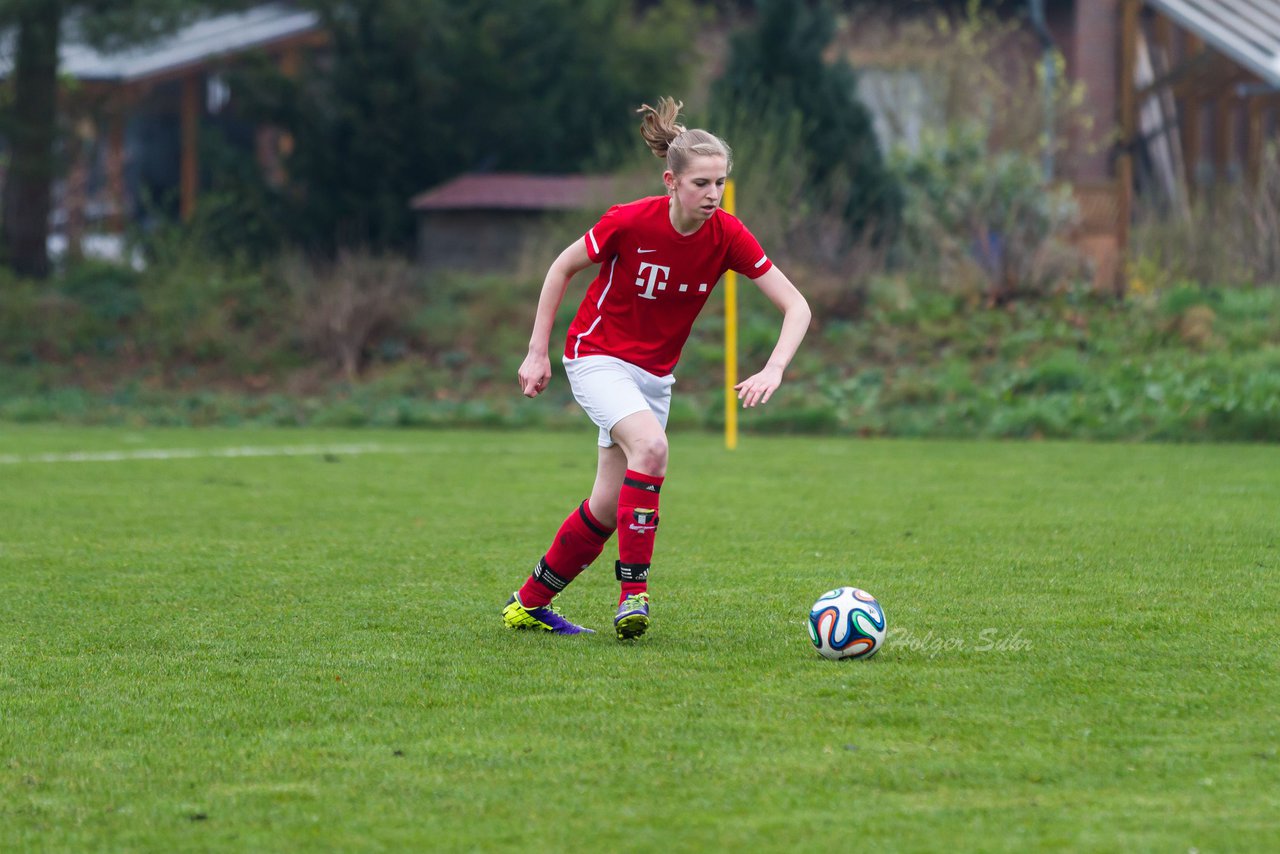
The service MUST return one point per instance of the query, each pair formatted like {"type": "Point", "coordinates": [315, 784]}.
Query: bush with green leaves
{"type": "Point", "coordinates": [86, 311]}
{"type": "Point", "coordinates": [984, 221]}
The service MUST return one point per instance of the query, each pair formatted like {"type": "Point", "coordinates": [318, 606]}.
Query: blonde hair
{"type": "Point", "coordinates": [674, 143]}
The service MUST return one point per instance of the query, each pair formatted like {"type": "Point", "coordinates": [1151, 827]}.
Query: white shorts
{"type": "Point", "coordinates": [610, 389]}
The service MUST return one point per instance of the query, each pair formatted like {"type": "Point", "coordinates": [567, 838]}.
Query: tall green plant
{"type": "Point", "coordinates": [777, 73]}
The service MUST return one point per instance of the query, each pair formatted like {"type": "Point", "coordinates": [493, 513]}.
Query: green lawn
{"type": "Point", "coordinates": [303, 652]}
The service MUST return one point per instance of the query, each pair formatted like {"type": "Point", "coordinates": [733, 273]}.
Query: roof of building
{"type": "Point", "coordinates": [1247, 31]}
{"type": "Point", "coordinates": [516, 191]}
{"type": "Point", "coordinates": [189, 46]}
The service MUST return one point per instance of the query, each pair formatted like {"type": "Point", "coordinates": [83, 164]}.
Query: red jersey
{"type": "Point", "coordinates": [653, 281]}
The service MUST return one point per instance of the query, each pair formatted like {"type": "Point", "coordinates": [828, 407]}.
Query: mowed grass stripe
{"type": "Point", "coordinates": [304, 652]}
{"type": "Point", "coordinates": [193, 453]}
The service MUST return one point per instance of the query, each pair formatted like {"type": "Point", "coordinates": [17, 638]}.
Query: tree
{"type": "Point", "coordinates": [776, 72]}
{"type": "Point", "coordinates": [29, 119]}
{"type": "Point", "coordinates": [30, 131]}
{"type": "Point", "coordinates": [413, 92]}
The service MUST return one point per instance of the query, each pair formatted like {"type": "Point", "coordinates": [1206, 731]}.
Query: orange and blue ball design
{"type": "Point", "coordinates": [847, 623]}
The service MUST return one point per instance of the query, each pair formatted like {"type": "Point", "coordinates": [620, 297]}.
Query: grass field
{"type": "Point", "coordinates": [302, 651]}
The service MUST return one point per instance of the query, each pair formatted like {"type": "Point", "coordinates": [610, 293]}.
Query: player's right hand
{"type": "Point", "coordinates": [535, 373]}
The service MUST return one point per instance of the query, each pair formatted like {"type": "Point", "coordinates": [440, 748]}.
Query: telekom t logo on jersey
{"type": "Point", "coordinates": [657, 280]}
{"type": "Point", "coordinates": [653, 277]}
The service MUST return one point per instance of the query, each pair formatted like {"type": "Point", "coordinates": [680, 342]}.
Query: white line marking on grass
{"type": "Point", "coordinates": [197, 453]}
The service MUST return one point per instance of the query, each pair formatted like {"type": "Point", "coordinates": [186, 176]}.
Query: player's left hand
{"type": "Point", "coordinates": [760, 387]}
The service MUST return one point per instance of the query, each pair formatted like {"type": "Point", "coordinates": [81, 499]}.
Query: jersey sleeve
{"type": "Point", "coordinates": [745, 255]}
{"type": "Point", "coordinates": [602, 238]}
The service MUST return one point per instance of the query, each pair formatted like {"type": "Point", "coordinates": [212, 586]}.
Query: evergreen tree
{"type": "Point", "coordinates": [777, 71]}
{"type": "Point", "coordinates": [414, 92]}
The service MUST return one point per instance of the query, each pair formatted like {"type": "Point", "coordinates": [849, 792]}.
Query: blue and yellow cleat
{"type": "Point", "coordinates": [633, 616]}
{"type": "Point", "coordinates": [546, 619]}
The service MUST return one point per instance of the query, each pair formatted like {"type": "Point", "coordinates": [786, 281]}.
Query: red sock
{"type": "Point", "coordinates": [577, 544]}
{"type": "Point", "coordinates": [637, 526]}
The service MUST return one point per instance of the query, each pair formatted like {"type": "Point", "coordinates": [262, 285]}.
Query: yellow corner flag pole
{"type": "Point", "coordinates": [730, 341]}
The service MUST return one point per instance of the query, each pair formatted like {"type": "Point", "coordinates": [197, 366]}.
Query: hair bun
{"type": "Point", "coordinates": [659, 126]}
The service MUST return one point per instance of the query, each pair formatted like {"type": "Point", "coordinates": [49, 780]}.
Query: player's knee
{"type": "Point", "coordinates": [649, 455]}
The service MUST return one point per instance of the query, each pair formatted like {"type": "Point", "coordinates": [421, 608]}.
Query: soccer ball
{"type": "Point", "coordinates": [846, 623]}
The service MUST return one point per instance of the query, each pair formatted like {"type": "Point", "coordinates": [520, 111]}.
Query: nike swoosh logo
{"type": "Point", "coordinates": [645, 251]}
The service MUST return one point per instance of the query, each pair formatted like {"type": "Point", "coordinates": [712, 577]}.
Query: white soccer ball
{"type": "Point", "coordinates": [846, 623]}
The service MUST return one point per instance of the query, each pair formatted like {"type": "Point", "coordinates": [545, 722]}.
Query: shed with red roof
{"type": "Point", "coordinates": [485, 222]}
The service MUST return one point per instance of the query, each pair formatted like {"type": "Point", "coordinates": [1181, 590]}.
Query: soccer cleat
{"type": "Point", "coordinates": [633, 616]}
{"type": "Point", "coordinates": [546, 618]}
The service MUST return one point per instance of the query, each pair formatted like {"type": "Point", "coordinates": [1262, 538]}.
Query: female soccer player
{"type": "Point", "coordinates": [659, 259]}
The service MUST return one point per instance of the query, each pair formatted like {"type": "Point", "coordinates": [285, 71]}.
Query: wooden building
{"type": "Point", "coordinates": [137, 114]}
{"type": "Point", "coordinates": [1180, 96]}
{"type": "Point", "coordinates": [1189, 93]}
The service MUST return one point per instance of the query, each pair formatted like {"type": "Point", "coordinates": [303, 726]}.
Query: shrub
{"type": "Point", "coordinates": [974, 218]}
{"type": "Point", "coordinates": [199, 310]}
{"type": "Point", "coordinates": [342, 308]}
{"type": "Point", "coordinates": [109, 291]}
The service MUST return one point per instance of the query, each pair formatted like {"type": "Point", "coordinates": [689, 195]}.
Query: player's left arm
{"type": "Point", "coordinates": [759, 387]}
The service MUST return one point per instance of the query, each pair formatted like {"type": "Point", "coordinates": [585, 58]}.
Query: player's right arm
{"type": "Point", "coordinates": [535, 371]}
